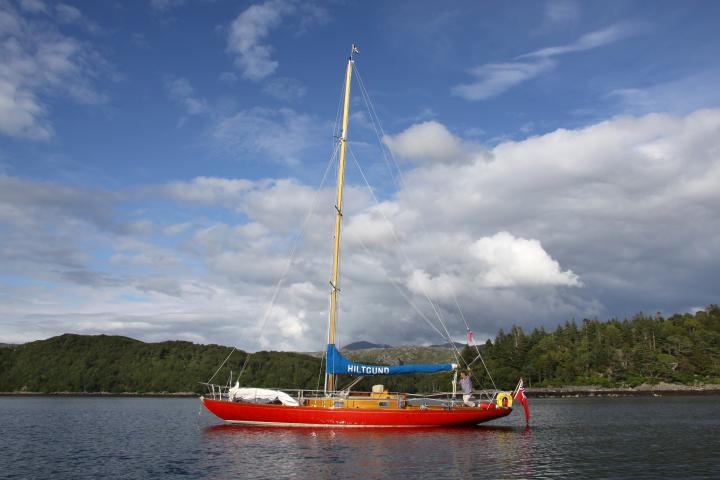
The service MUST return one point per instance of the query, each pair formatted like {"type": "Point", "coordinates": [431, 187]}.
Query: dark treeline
{"type": "Point", "coordinates": [645, 349]}
{"type": "Point", "coordinates": [101, 363]}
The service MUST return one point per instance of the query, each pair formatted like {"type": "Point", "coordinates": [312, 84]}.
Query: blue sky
{"type": "Point", "coordinates": [157, 158]}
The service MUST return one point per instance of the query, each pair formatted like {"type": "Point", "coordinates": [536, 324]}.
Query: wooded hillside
{"type": "Point", "coordinates": [645, 349]}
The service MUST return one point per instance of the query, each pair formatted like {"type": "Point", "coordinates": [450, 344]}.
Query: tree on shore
{"type": "Point", "coordinates": [684, 348]}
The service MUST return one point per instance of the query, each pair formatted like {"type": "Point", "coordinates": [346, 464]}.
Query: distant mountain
{"type": "Point", "coordinates": [458, 345]}
{"type": "Point", "coordinates": [363, 345]}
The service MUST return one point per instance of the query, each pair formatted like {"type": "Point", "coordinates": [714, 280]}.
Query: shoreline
{"type": "Point", "coordinates": [639, 391]}
{"type": "Point", "coordinates": [102, 394]}
{"type": "Point", "coordinates": [660, 389]}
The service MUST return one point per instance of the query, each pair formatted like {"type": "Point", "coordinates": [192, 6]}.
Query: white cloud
{"type": "Point", "coordinates": [33, 6]}
{"type": "Point", "coordinates": [562, 12]}
{"type": "Point", "coordinates": [513, 262]}
{"type": "Point", "coordinates": [228, 78]}
{"type": "Point", "coordinates": [598, 221]}
{"type": "Point", "coordinates": [21, 113]}
{"type": "Point", "coordinates": [248, 31]}
{"type": "Point", "coordinates": [181, 91]}
{"type": "Point", "coordinates": [40, 63]}
{"type": "Point", "coordinates": [69, 15]}
{"type": "Point", "coordinates": [247, 37]}
{"type": "Point", "coordinates": [208, 190]}
{"type": "Point", "coordinates": [258, 130]}
{"type": "Point", "coordinates": [493, 79]}
{"type": "Point", "coordinates": [679, 96]}
{"type": "Point", "coordinates": [370, 229]}
{"type": "Point", "coordinates": [176, 229]}
{"type": "Point", "coordinates": [432, 142]}
{"type": "Point", "coordinates": [285, 88]}
{"type": "Point", "coordinates": [591, 40]}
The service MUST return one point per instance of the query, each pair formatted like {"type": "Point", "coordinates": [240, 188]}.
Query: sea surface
{"type": "Point", "coordinates": [161, 438]}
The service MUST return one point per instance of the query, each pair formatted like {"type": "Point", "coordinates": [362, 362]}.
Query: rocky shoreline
{"type": "Point", "coordinates": [100, 394]}
{"type": "Point", "coordinates": [544, 392]}
{"type": "Point", "coordinates": [641, 390]}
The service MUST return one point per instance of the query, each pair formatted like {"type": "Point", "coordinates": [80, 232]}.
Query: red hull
{"type": "Point", "coordinates": [259, 414]}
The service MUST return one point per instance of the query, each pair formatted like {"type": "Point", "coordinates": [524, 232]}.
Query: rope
{"type": "Point", "coordinates": [447, 335]}
{"type": "Point", "coordinates": [279, 283]}
{"type": "Point", "coordinates": [379, 133]}
{"type": "Point", "coordinates": [222, 364]}
{"type": "Point", "coordinates": [477, 349]}
{"type": "Point", "coordinates": [404, 295]}
{"type": "Point", "coordinates": [377, 127]}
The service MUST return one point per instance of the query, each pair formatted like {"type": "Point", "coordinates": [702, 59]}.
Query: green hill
{"type": "Point", "coordinates": [645, 349]}
{"type": "Point", "coordinates": [683, 348]}
{"type": "Point", "coordinates": [82, 363]}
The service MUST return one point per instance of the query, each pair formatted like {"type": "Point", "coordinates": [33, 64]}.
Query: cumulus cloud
{"type": "Point", "coordinates": [371, 228]}
{"type": "Point", "coordinates": [511, 262]}
{"type": "Point", "coordinates": [602, 221]}
{"type": "Point", "coordinates": [432, 142]}
{"type": "Point", "coordinates": [247, 33]}
{"type": "Point", "coordinates": [41, 63]}
{"type": "Point", "coordinates": [616, 187]}
{"type": "Point", "coordinates": [493, 79]}
{"type": "Point", "coordinates": [247, 36]}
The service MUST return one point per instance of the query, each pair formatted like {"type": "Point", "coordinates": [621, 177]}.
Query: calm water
{"type": "Point", "coordinates": [653, 437]}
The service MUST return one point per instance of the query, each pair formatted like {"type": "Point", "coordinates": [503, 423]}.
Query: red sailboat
{"type": "Point", "coordinates": [332, 407]}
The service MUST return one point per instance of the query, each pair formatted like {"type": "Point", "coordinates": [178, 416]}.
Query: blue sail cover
{"type": "Point", "coordinates": [338, 365]}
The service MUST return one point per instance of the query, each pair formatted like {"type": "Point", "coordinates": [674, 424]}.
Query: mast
{"type": "Point", "coordinates": [329, 378]}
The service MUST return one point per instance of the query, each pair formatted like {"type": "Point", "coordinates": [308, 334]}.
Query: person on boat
{"type": "Point", "coordinates": [467, 388]}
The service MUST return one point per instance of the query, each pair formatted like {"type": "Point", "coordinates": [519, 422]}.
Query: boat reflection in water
{"type": "Point", "coordinates": [449, 452]}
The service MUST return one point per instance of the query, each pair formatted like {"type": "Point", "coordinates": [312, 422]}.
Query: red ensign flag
{"type": "Point", "coordinates": [519, 396]}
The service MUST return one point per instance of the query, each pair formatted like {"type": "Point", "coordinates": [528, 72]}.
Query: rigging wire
{"type": "Point", "coordinates": [447, 335]}
{"type": "Point", "coordinates": [377, 127]}
{"type": "Point", "coordinates": [380, 133]}
{"type": "Point", "coordinates": [405, 296]}
{"type": "Point", "coordinates": [334, 151]}
{"type": "Point", "coordinates": [284, 275]}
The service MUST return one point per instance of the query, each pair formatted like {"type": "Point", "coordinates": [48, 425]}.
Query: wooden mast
{"type": "Point", "coordinates": [330, 378]}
